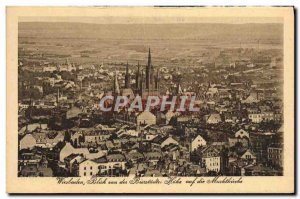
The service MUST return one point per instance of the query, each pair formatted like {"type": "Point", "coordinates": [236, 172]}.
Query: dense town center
{"type": "Point", "coordinates": [237, 129]}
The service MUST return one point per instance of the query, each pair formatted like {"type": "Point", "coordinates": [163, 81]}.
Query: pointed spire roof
{"type": "Point", "coordinates": [127, 68]}
{"type": "Point", "coordinates": [127, 78]}
{"type": "Point", "coordinates": [137, 76]}
{"type": "Point", "coordinates": [179, 89]}
{"type": "Point", "coordinates": [142, 81]}
{"type": "Point", "coordinates": [149, 58]}
{"type": "Point", "coordinates": [116, 84]}
{"type": "Point", "coordinates": [142, 75]}
{"type": "Point", "coordinates": [168, 92]}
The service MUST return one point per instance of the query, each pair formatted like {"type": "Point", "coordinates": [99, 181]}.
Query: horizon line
{"type": "Point", "coordinates": [155, 20]}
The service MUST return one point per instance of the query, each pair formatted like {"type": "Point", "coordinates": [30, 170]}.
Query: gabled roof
{"type": "Point", "coordinates": [115, 157]}
{"type": "Point", "coordinates": [134, 154]}
{"type": "Point", "coordinates": [280, 130]}
{"type": "Point", "coordinates": [146, 114]}
{"type": "Point", "coordinates": [242, 132]}
{"type": "Point", "coordinates": [158, 139]}
{"type": "Point", "coordinates": [197, 136]}
{"type": "Point", "coordinates": [239, 163]}
{"type": "Point", "coordinates": [170, 138]}
{"type": "Point", "coordinates": [210, 151]}
{"type": "Point", "coordinates": [214, 116]}
{"type": "Point", "coordinates": [100, 160]}
{"type": "Point", "coordinates": [71, 157]}
{"type": "Point", "coordinates": [249, 151]}
{"type": "Point", "coordinates": [151, 155]}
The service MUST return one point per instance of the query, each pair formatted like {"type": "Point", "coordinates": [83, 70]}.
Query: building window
{"type": "Point", "coordinates": [84, 168]}
{"type": "Point", "coordinates": [84, 173]}
{"type": "Point", "coordinates": [91, 168]}
{"type": "Point", "coordinates": [91, 173]}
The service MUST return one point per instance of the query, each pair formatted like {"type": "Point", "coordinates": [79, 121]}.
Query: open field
{"type": "Point", "coordinates": [170, 44]}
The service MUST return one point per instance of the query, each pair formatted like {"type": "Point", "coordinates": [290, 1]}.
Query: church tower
{"type": "Point", "coordinates": [148, 71]}
{"type": "Point", "coordinates": [127, 77]}
{"type": "Point", "coordinates": [157, 80]}
{"type": "Point", "coordinates": [179, 89]}
{"type": "Point", "coordinates": [152, 78]}
{"type": "Point", "coordinates": [116, 85]}
{"type": "Point", "coordinates": [137, 77]}
{"type": "Point", "coordinates": [142, 83]}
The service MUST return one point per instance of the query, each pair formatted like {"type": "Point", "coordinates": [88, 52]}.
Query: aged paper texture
{"type": "Point", "coordinates": [150, 100]}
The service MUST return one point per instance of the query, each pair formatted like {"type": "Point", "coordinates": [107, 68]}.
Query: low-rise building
{"type": "Point", "coordinates": [146, 117]}
{"type": "Point", "coordinates": [168, 141]}
{"type": "Point", "coordinates": [249, 156]}
{"type": "Point", "coordinates": [111, 165]}
{"type": "Point", "coordinates": [214, 119]}
{"type": "Point", "coordinates": [27, 142]}
{"type": "Point", "coordinates": [256, 117]}
{"type": "Point", "coordinates": [241, 134]}
{"type": "Point", "coordinates": [211, 159]}
{"type": "Point", "coordinates": [198, 141]}
{"type": "Point", "coordinates": [275, 154]}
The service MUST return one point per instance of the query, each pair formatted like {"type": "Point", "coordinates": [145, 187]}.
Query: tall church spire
{"type": "Point", "coordinates": [142, 83]}
{"type": "Point", "coordinates": [157, 79]}
{"type": "Point", "coordinates": [152, 78]}
{"type": "Point", "coordinates": [149, 58]}
{"type": "Point", "coordinates": [137, 76]}
{"type": "Point", "coordinates": [179, 89]}
{"type": "Point", "coordinates": [148, 71]}
{"type": "Point", "coordinates": [116, 84]}
{"type": "Point", "coordinates": [127, 77]}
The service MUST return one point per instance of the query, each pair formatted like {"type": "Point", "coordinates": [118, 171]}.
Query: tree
{"type": "Point", "coordinates": [173, 121]}
{"type": "Point", "coordinates": [71, 142]}
{"type": "Point", "coordinates": [212, 173]}
{"type": "Point", "coordinates": [81, 139]}
{"type": "Point", "coordinates": [113, 136]}
{"type": "Point", "coordinates": [67, 137]}
{"type": "Point", "coordinates": [75, 144]}
{"type": "Point", "coordinates": [195, 156]}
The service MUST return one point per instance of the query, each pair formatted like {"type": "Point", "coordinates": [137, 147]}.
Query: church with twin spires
{"type": "Point", "coordinates": [146, 82]}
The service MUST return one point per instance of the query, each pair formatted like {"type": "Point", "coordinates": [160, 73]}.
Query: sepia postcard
{"type": "Point", "coordinates": [150, 100]}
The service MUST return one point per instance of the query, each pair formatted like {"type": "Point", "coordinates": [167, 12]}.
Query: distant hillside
{"type": "Point", "coordinates": [225, 32]}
